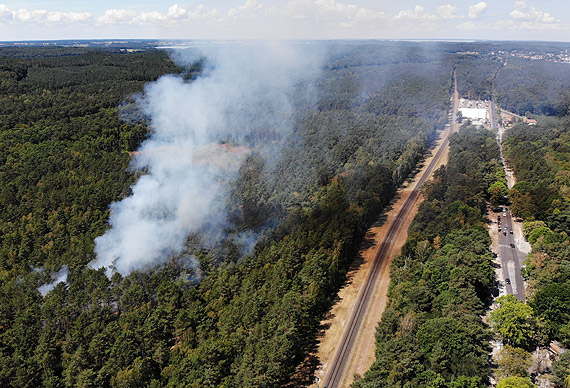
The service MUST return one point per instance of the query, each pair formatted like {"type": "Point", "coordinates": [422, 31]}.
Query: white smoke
{"type": "Point", "coordinates": [244, 87]}
{"type": "Point", "coordinates": [58, 277]}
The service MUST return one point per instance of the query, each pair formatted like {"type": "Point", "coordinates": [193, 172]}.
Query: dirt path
{"type": "Point", "coordinates": [340, 314]}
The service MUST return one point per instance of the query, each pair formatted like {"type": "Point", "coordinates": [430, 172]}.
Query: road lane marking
{"type": "Point", "coordinates": [512, 275]}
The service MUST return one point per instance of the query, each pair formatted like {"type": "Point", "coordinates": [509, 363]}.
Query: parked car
{"type": "Point", "coordinates": [512, 245]}
{"type": "Point", "coordinates": [508, 281]}
{"type": "Point", "coordinates": [504, 214]}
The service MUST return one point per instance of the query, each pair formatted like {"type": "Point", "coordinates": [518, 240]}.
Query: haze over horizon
{"type": "Point", "coordinates": [547, 20]}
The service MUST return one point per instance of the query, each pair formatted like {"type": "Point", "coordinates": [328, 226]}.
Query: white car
{"type": "Point", "coordinates": [504, 214]}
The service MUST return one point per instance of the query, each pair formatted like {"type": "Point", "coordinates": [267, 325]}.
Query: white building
{"type": "Point", "coordinates": [478, 116]}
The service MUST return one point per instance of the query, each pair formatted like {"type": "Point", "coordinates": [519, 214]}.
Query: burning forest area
{"type": "Point", "coordinates": [188, 214]}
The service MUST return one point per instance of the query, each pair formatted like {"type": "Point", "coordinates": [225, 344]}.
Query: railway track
{"type": "Point", "coordinates": [335, 375]}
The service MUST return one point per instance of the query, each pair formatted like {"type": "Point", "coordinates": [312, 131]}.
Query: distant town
{"type": "Point", "coordinates": [559, 57]}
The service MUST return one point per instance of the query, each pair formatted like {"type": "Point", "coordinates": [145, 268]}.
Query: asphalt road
{"type": "Point", "coordinates": [511, 258]}
{"type": "Point", "coordinates": [493, 115]}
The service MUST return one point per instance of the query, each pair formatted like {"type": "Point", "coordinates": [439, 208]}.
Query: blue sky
{"type": "Point", "coordinates": [288, 19]}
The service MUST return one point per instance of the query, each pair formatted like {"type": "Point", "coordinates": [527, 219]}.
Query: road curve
{"type": "Point", "coordinates": [336, 371]}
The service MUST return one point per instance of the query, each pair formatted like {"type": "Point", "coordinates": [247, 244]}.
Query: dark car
{"type": "Point", "coordinates": [512, 245]}
{"type": "Point", "coordinates": [508, 281]}
{"type": "Point", "coordinates": [510, 232]}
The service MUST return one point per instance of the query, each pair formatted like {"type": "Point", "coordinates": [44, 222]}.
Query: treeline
{"type": "Point", "coordinates": [64, 151]}
{"type": "Point", "coordinates": [534, 86]}
{"type": "Point", "coordinates": [539, 157]}
{"type": "Point", "coordinates": [244, 321]}
{"type": "Point", "coordinates": [431, 333]}
{"type": "Point", "coordinates": [475, 75]}
{"type": "Point", "coordinates": [63, 161]}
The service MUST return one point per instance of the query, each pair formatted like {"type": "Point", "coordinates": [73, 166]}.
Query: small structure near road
{"type": "Point", "coordinates": [556, 348]}
{"type": "Point", "coordinates": [530, 121]}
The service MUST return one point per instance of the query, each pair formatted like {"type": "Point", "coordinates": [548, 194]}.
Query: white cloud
{"type": "Point", "coordinates": [528, 18]}
{"type": "Point", "coordinates": [175, 13]}
{"type": "Point", "coordinates": [24, 15]}
{"type": "Point", "coordinates": [199, 13]}
{"type": "Point", "coordinates": [468, 26]}
{"type": "Point", "coordinates": [418, 13]}
{"type": "Point", "coordinates": [249, 10]}
{"type": "Point", "coordinates": [513, 24]}
{"type": "Point", "coordinates": [520, 5]}
{"type": "Point", "coordinates": [5, 14]}
{"type": "Point", "coordinates": [68, 17]}
{"type": "Point", "coordinates": [477, 10]}
{"type": "Point", "coordinates": [418, 20]}
{"type": "Point", "coordinates": [114, 16]}
{"type": "Point", "coordinates": [328, 11]}
{"type": "Point", "coordinates": [150, 17]}
{"type": "Point", "coordinates": [518, 14]}
{"type": "Point", "coordinates": [287, 19]}
{"type": "Point", "coordinates": [523, 12]}
{"type": "Point", "coordinates": [447, 11]}
{"type": "Point", "coordinates": [503, 24]}
{"type": "Point", "coordinates": [540, 26]}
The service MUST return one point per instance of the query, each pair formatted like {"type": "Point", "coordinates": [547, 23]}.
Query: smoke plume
{"type": "Point", "coordinates": [200, 132]}
{"type": "Point", "coordinates": [58, 277]}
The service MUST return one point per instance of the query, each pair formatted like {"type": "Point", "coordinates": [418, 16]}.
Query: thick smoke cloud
{"type": "Point", "coordinates": [201, 130]}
